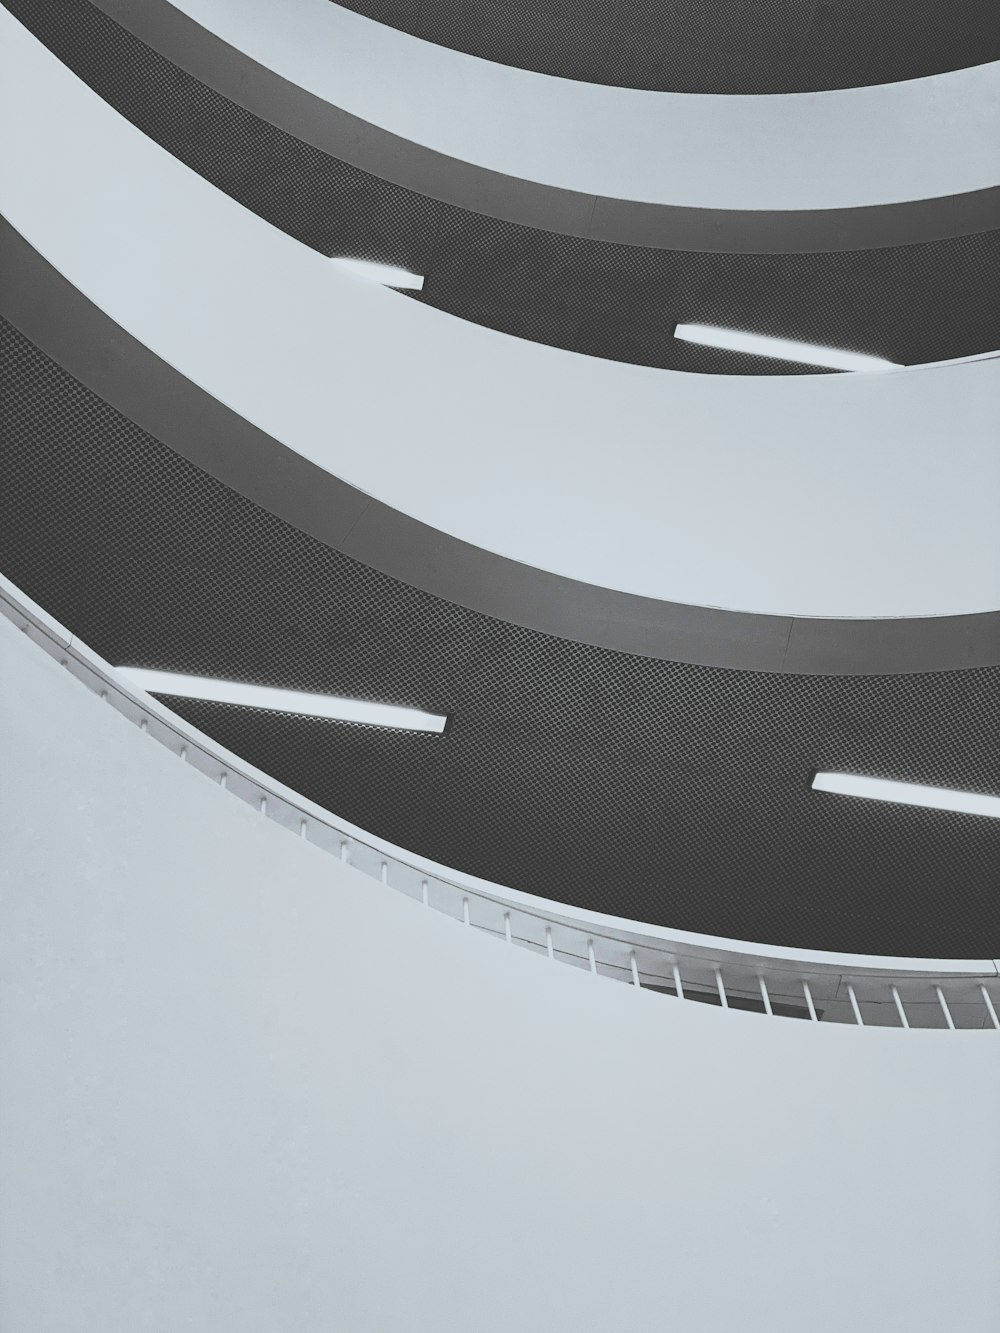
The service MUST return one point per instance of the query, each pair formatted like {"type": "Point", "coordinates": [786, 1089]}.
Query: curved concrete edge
{"type": "Point", "coordinates": [917, 139]}
{"type": "Point", "coordinates": [335, 131]}
{"type": "Point", "coordinates": [87, 343]}
{"type": "Point", "coordinates": [768, 495]}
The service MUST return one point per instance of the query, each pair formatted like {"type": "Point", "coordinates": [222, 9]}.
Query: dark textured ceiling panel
{"type": "Point", "coordinates": [667, 792]}
{"type": "Point", "coordinates": [910, 304]}
{"type": "Point", "coordinates": [692, 46]}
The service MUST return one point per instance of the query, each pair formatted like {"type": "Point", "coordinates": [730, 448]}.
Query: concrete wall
{"type": "Point", "coordinates": [245, 1088]}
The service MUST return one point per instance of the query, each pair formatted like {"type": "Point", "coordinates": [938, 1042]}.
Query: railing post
{"type": "Point", "coordinates": [944, 1008]}
{"type": "Point", "coordinates": [989, 1005]}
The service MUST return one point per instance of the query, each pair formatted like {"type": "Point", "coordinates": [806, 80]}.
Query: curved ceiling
{"type": "Point", "coordinates": [657, 791]}
{"type": "Point", "coordinates": [687, 46]}
{"type": "Point", "coordinates": [922, 139]}
{"type": "Point", "coordinates": [907, 304]}
{"type": "Point", "coordinates": [342, 372]}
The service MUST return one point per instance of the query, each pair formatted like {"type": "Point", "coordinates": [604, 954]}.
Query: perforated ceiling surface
{"type": "Point", "coordinates": [909, 304]}
{"type": "Point", "coordinates": [671, 793]}
{"type": "Point", "coordinates": [730, 46]}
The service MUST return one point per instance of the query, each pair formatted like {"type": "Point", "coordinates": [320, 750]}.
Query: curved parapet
{"type": "Point", "coordinates": [268, 328]}
{"type": "Point", "coordinates": [923, 138]}
{"type": "Point", "coordinates": [309, 118]}
{"type": "Point", "coordinates": [122, 373]}
{"type": "Point", "coordinates": [948, 994]}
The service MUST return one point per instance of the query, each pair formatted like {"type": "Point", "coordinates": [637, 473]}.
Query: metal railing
{"type": "Point", "coordinates": [818, 987]}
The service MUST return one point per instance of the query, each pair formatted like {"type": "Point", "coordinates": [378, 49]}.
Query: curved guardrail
{"type": "Point", "coordinates": [829, 988]}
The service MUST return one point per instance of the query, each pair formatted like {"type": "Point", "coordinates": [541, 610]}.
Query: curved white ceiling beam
{"type": "Point", "coordinates": [919, 139]}
{"type": "Point", "coordinates": [840, 496]}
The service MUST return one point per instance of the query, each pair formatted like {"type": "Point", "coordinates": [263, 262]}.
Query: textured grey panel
{"type": "Point", "coordinates": [44, 306]}
{"type": "Point", "coordinates": [662, 791]}
{"type": "Point", "coordinates": [732, 46]}
{"type": "Point", "coordinates": [911, 304]}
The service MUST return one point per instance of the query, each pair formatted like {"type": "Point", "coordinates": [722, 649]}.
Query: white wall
{"type": "Point", "coordinates": [918, 139]}
{"type": "Point", "coordinates": [869, 495]}
{"type": "Point", "coordinates": [246, 1089]}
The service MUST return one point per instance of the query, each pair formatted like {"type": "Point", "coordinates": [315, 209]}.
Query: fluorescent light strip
{"type": "Point", "coordinates": [754, 344]}
{"type": "Point", "coordinates": [383, 273]}
{"type": "Point", "coordinates": [281, 701]}
{"type": "Point", "coordinates": [908, 793]}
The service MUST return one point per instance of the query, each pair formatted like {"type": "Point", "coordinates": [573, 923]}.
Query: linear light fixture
{"type": "Point", "coordinates": [282, 701]}
{"type": "Point", "coordinates": [386, 274]}
{"type": "Point", "coordinates": [908, 793]}
{"type": "Point", "coordinates": [754, 344]}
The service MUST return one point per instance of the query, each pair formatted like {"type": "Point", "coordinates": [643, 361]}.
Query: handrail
{"type": "Point", "coordinates": [821, 987]}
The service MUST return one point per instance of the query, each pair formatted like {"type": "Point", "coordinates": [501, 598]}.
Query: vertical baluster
{"type": "Point", "coordinates": [989, 1006]}
{"type": "Point", "coordinates": [855, 1006]}
{"type": "Point", "coordinates": [678, 984]}
{"type": "Point", "coordinates": [635, 969]}
{"type": "Point", "coordinates": [592, 957]}
{"type": "Point", "coordinates": [944, 1008]}
{"type": "Point", "coordinates": [765, 997]}
{"type": "Point", "coordinates": [723, 997]}
{"type": "Point", "coordinates": [809, 1001]}
{"type": "Point", "coordinates": [506, 928]}
{"type": "Point", "coordinates": [904, 1021]}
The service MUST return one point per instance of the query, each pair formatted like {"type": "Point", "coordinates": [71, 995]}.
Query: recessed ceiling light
{"type": "Point", "coordinates": [780, 349]}
{"type": "Point", "coordinates": [908, 793]}
{"type": "Point", "coordinates": [282, 701]}
{"type": "Point", "coordinates": [386, 274]}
